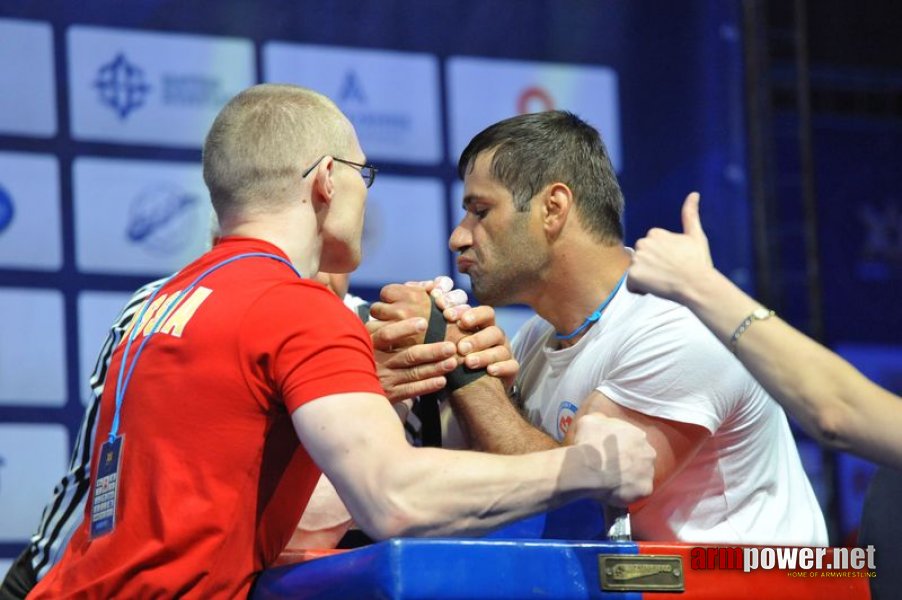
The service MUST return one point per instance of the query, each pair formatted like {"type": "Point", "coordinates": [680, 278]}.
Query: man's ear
{"type": "Point", "coordinates": [557, 201]}
{"type": "Point", "coordinates": [323, 184]}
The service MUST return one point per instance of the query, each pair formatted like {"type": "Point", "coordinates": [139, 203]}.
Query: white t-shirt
{"type": "Point", "coordinates": [745, 485]}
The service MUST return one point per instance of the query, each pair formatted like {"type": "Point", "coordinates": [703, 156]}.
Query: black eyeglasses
{"type": "Point", "coordinates": [368, 172]}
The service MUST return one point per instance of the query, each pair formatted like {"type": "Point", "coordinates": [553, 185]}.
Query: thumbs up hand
{"type": "Point", "coordinates": [665, 263]}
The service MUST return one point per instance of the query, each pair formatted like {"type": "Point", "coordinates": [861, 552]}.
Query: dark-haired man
{"type": "Point", "coordinates": [543, 228]}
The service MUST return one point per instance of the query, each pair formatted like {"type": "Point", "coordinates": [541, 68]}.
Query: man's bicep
{"type": "Point", "coordinates": [343, 433]}
{"type": "Point", "coordinates": [354, 438]}
{"type": "Point", "coordinates": [675, 442]}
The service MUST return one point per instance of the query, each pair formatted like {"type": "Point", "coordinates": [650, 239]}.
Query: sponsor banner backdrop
{"type": "Point", "coordinates": [482, 91]}
{"type": "Point", "coordinates": [403, 235]}
{"type": "Point", "coordinates": [392, 98]}
{"type": "Point", "coordinates": [26, 71]}
{"type": "Point", "coordinates": [96, 312]}
{"type": "Point", "coordinates": [139, 217]}
{"type": "Point", "coordinates": [30, 235]}
{"type": "Point", "coordinates": [32, 460]}
{"type": "Point", "coordinates": [32, 349]}
{"type": "Point", "coordinates": [155, 88]}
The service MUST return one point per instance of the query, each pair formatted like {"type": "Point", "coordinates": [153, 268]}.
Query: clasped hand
{"type": "Point", "coordinates": [409, 367]}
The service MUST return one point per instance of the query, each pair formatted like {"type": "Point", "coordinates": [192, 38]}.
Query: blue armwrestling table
{"type": "Point", "coordinates": [495, 569]}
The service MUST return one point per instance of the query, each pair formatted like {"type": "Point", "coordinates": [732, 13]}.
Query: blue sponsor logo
{"type": "Point", "coordinates": [163, 219]}
{"type": "Point", "coordinates": [192, 90]}
{"type": "Point", "coordinates": [351, 89]}
{"type": "Point", "coordinates": [371, 124]}
{"type": "Point", "coordinates": [7, 210]}
{"type": "Point", "coordinates": [121, 86]}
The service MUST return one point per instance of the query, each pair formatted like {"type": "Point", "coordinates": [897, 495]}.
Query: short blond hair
{"type": "Point", "coordinates": [262, 140]}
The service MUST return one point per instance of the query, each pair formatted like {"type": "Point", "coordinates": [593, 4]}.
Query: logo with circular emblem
{"type": "Point", "coordinates": [7, 211]}
{"type": "Point", "coordinates": [566, 412]}
{"type": "Point", "coordinates": [121, 86]}
{"type": "Point", "coordinates": [534, 99]}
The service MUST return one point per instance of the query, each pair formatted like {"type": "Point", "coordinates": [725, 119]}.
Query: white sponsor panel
{"type": "Point", "coordinates": [163, 89]}
{"type": "Point", "coordinates": [404, 233]}
{"type": "Point", "coordinates": [27, 78]}
{"type": "Point", "coordinates": [30, 230]}
{"type": "Point", "coordinates": [96, 313]}
{"type": "Point", "coordinates": [391, 97]}
{"type": "Point", "coordinates": [32, 460]}
{"type": "Point", "coordinates": [482, 91]}
{"type": "Point", "coordinates": [139, 217]}
{"type": "Point", "coordinates": [32, 347]}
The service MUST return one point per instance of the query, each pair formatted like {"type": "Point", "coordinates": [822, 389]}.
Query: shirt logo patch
{"type": "Point", "coordinates": [565, 414]}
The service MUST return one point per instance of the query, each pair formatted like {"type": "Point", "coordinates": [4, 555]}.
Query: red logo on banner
{"type": "Point", "coordinates": [534, 99]}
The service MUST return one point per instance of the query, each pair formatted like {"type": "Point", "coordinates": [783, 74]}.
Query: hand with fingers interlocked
{"type": "Point", "coordinates": [407, 365]}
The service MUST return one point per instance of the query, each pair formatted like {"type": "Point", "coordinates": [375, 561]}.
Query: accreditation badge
{"type": "Point", "coordinates": [106, 488]}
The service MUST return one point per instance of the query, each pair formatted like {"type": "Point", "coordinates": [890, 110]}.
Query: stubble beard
{"type": "Point", "coordinates": [487, 292]}
{"type": "Point", "coordinates": [510, 282]}
{"type": "Point", "coordinates": [514, 268]}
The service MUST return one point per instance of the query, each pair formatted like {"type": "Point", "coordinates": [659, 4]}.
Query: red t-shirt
{"type": "Point", "coordinates": [213, 479]}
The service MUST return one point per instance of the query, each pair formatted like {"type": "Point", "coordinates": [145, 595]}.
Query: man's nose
{"type": "Point", "coordinates": [461, 238]}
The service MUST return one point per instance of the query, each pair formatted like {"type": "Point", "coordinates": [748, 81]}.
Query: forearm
{"type": "Point", "coordinates": [493, 423]}
{"type": "Point", "coordinates": [444, 493]}
{"type": "Point", "coordinates": [829, 397]}
{"type": "Point", "coordinates": [392, 488]}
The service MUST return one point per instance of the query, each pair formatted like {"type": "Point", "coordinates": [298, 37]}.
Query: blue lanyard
{"type": "Point", "coordinates": [122, 383]}
{"type": "Point", "coordinates": [595, 316]}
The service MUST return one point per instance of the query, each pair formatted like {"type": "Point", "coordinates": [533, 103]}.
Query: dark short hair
{"type": "Point", "coordinates": [537, 149]}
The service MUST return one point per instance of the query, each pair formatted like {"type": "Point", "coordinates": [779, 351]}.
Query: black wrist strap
{"type": "Point", "coordinates": [427, 409]}
{"type": "Point", "coordinates": [462, 376]}
{"type": "Point", "coordinates": [435, 332]}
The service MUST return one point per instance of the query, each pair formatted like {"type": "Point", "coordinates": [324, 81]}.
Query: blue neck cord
{"type": "Point", "coordinates": [595, 316]}
{"type": "Point", "coordinates": [122, 382]}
